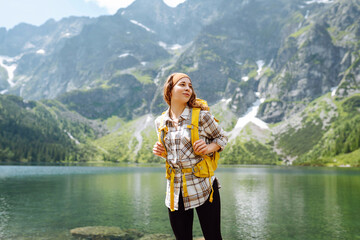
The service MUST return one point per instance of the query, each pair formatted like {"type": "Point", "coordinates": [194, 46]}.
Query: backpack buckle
{"type": "Point", "coordinates": [175, 170]}
{"type": "Point", "coordinates": [193, 169]}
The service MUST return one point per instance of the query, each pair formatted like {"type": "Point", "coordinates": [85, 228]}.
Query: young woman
{"type": "Point", "coordinates": [188, 192]}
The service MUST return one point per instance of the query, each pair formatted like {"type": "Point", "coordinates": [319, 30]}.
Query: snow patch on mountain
{"type": "Point", "coordinates": [10, 66]}
{"type": "Point", "coordinates": [249, 116]}
{"type": "Point", "coordinates": [169, 47]}
{"type": "Point", "coordinates": [40, 52]}
{"type": "Point", "coordinates": [66, 35]}
{"type": "Point", "coordinates": [260, 64]}
{"type": "Point", "coordinates": [143, 26]}
{"type": "Point", "coordinates": [226, 101]}
{"type": "Point", "coordinates": [124, 55]}
{"type": "Point", "coordinates": [319, 1]}
{"type": "Point", "coordinates": [149, 119]}
{"type": "Point", "coordinates": [28, 45]}
{"type": "Point", "coordinates": [333, 91]}
{"type": "Point", "coordinates": [71, 137]}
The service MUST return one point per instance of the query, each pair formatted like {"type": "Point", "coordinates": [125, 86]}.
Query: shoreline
{"type": "Point", "coordinates": [132, 164]}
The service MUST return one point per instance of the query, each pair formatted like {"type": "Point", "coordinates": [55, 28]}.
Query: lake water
{"type": "Point", "coordinates": [45, 202]}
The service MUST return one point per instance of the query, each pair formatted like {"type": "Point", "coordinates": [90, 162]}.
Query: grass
{"type": "Point", "coordinates": [116, 144]}
{"type": "Point", "coordinates": [301, 31]}
{"type": "Point", "coordinates": [248, 152]}
{"type": "Point", "coordinates": [268, 72]}
{"type": "Point", "coordinates": [113, 121]}
{"type": "Point", "coordinates": [297, 17]}
{"type": "Point", "coordinates": [347, 159]}
{"type": "Point", "coordinates": [339, 144]}
{"type": "Point", "coordinates": [143, 78]}
{"type": "Point", "coordinates": [299, 142]}
{"type": "Point", "coordinates": [252, 74]}
{"type": "Point", "coordinates": [342, 160]}
{"type": "Point", "coordinates": [3, 73]}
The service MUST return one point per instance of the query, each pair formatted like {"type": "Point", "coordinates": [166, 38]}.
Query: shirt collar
{"type": "Point", "coordinates": [184, 115]}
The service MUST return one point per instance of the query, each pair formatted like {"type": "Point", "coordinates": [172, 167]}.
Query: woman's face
{"type": "Point", "coordinates": [182, 91]}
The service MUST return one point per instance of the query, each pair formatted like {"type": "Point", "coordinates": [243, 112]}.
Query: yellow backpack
{"type": "Point", "coordinates": [203, 169]}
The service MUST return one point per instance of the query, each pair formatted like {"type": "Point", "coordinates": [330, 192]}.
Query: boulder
{"type": "Point", "coordinates": [157, 237]}
{"type": "Point", "coordinates": [116, 233]}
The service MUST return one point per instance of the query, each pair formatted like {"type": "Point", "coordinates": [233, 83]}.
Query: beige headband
{"type": "Point", "coordinates": [178, 76]}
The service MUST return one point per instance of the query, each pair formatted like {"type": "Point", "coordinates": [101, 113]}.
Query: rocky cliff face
{"type": "Point", "coordinates": [124, 96]}
{"type": "Point", "coordinates": [286, 53]}
{"type": "Point", "coordinates": [99, 52]}
{"type": "Point", "coordinates": [312, 70]}
{"type": "Point", "coordinates": [311, 62]}
{"type": "Point", "coordinates": [25, 38]}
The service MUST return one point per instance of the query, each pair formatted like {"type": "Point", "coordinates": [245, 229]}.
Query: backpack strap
{"type": "Point", "coordinates": [194, 127]}
{"type": "Point", "coordinates": [195, 115]}
{"type": "Point", "coordinates": [163, 130]}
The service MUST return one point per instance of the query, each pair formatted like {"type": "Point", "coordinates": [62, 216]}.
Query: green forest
{"type": "Point", "coordinates": [32, 132]}
{"type": "Point", "coordinates": [45, 131]}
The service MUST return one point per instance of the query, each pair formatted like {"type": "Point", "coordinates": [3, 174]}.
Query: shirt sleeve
{"type": "Point", "coordinates": [213, 130]}
{"type": "Point", "coordinates": [157, 124]}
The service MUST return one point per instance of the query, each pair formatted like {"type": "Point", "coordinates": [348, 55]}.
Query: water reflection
{"type": "Point", "coordinates": [139, 185]}
{"type": "Point", "coordinates": [290, 204]}
{"type": "Point", "coordinates": [251, 207]}
{"type": "Point", "coordinates": [4, 216]}
{"type": "Point", "coordinates": [332, 211]}
{"type": "Point", "coordinates": [257, 203]}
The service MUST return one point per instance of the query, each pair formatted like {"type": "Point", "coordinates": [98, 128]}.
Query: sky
{"type": "Point", "coordinates": [37, 12]}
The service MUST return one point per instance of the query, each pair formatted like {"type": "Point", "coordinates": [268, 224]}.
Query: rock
{"type": "Point", "coordinates": [157, 237]}
{"type": "Point", "coordinates": [164, 237]}
{"type": "Point", "coordinates": [116, 233]}
{"type": "Point", "coordinates": [243, 99]}
{"type": "Point", "coordinates": [271, 111]}
{"type": "Point", "coordinates": [105, 233]}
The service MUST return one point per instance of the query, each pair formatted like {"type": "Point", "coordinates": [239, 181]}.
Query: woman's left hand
{"type": "Point", "coordinates": [200, 147]}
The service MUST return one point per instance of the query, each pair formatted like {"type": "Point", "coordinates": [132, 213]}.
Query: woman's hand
{"type": "Point", "coordinates": [200, 147]}
{"type": "Point", "coordinates": [158, 149]}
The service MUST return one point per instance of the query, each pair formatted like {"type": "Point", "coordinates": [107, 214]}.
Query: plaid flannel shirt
{"type": "Point", "coordinates": [180, 154]}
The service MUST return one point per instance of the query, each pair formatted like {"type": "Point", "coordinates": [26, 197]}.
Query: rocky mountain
{"type": "Point", "coordinates": [313, 60]}
{"type": "Point", "coordinates": [178, 25]}
{"type": "Point", "coordinates": [260, 64]}
{"type": "Point", "coordinates": [96, 54]}
{"type": "Point", "coordinates": [25, 38]}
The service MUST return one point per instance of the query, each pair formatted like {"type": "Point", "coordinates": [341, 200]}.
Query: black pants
{"type": "Point", "coordinates": [209, 217]}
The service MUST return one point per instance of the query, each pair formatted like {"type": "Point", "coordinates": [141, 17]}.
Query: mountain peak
{"type": "Point", "coordinates": [144, 5]}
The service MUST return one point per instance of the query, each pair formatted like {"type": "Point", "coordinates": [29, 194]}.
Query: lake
{"type": "Point", "coordinates": [258, 202]}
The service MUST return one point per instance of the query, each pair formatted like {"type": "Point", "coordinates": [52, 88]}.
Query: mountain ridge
{"type": "Point", "coordinates": [284, 55]}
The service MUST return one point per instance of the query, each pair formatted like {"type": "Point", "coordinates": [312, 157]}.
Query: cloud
{"type": "Point", "coordinates": [112, 5]}
{"type": "Point", "coordinates": [173, 3]}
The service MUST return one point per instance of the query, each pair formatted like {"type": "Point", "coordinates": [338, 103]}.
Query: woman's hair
{"type": "Point", "coordinates": [168, 86]}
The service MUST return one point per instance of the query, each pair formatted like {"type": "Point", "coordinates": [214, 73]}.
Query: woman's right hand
{"type": "Point", "coordinates": [158, 149]}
